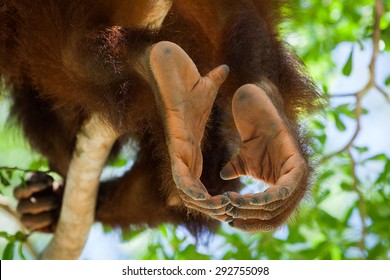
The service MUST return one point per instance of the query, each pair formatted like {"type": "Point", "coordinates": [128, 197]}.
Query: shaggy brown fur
{"type": "Point", "coordinates": [65, 59]}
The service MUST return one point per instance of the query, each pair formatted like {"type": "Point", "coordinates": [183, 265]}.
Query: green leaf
{"type": "Point", "coordinates": [9, 174]}
{"type": "Point", "coordinates": [164, 231]}
{"type": "Point", "coordinates": [346, 110]}
{"type": "Point", "coordinates": [8, 253]}
{"type": "Point", "coordinates": [119, 162]}
{"type": "Point", "coordinates": [335, 252]}
{"type": "Point", "coordinates": [364, 111]}
{"type": "Point", "coordinates": [385, 21]}
{"type": "Point", "coordinates": [361, 150]}
{"type": "Point", "coordinates": [20, 236]}
{"type": "Point", "coordinates": [345, 186]}
{"type": "Point", "coordinates": [39, 164]}
{"type": "Point", "coordinates": [326, 175]}
{"type": "Point", "coordinates": [325, 88]}
{"type": "Point", "coordinates": [190, 253]}
{"type": "Point", "coordinates": [106, 229]}
{"type": "Point", "coordinates": [4, 181]}
{"type": "Point", "coordinates": [340, 125]}
{"type": "Point", "coordinates": [323, 195]}
{"type": "Point", "coordinates": [379, 157]}
{"type": "Point", "coordinates": [322, 139]}
{"type": "Point", "coordinates": [347, 69]}
{"type": "Point", "coordinates": [387, 81]}
{"type": "Point", "coordinates": [318, 125]}
{"type": "Point", "coordinates": [384, 176]}
{"type": "Point", "coordinates": [361, 45]}
{"type": "Point", "coordinates": [23, 182]}
{"type": "Point", "coordinates": [4, 235]}
{"type": "Point", "coordinates": [128, 235]}
{"type": "Point", "coordinates": [20, 251]}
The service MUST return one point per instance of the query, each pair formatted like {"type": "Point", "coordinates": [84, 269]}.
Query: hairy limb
{"type": "Point", "coordinates": [269, 153]}
{"type": "Point", "coordinates": [185, 100]}
{"type": "Point", "coordinates": [94, 143]}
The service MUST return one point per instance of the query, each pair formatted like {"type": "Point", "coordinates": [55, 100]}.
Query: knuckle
{"type": "Point", "coordinates": [229, 208]}
{"type": "Point", "coordinates": [238, 202]}
{"type": "Point", "coordinates": [210, 205]}
{"type": "Point", "coordinates": [236, 213]}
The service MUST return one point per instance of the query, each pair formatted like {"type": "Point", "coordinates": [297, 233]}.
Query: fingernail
{"type": "Point", "coordinates": [225, 200]}
{"type": "Point", "coordinates": [229, 208]}
{"type": "Point", "coordinates": [284, 192]}
{"type": "Point", "coordinates": [240, 201]}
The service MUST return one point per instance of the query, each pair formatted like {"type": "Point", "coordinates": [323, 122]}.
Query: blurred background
{"type": "Point", "coordinates": [346, 48]}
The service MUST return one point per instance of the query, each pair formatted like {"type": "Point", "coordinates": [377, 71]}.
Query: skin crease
{"type": "Point", "coordinates": [199, 126]}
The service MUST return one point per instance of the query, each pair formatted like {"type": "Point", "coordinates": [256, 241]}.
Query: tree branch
{"type": "Point", "coordinates": [347, 146]}
{"type": "Point", "coordinates": [379, 9]}
{"type": "Point", "coordinates": [362, 205]}
{"type": "Point", "coordinates": [343, 95]}
{"type": "Point", "coordinates": [93, 145]}
{"type": "Point", "coordinates": [383, 92]}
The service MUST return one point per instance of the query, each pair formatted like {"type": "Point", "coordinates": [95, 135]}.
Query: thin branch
{"type": "Point", "coordinates": [358, 111]}
{"type": "Point", "coordinates": [93, 145]}
{"type": "Point", "coordinates": [383, 92]}
{"type": "Point", "coordinates": [379, 9]}
{"type": "Point", "coordinates": [343, 95]}
{"type": "Point", "coordinates": [376, 36]}
{"type": "Point", "coordinates": [362, 206]}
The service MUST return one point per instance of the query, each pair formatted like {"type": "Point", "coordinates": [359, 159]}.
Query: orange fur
{"type": "Point", "coordinates": [66, 59]}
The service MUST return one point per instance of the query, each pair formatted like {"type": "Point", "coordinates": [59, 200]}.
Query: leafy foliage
{"type": "Point", "coordinates": [347, 213]}
{"type": "Point", "coordinates": [14, 241]}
